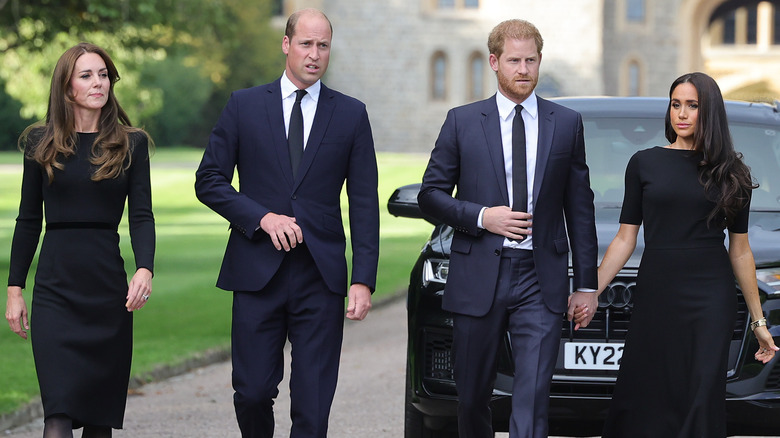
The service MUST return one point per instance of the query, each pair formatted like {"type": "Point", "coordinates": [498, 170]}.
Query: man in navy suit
{"type": "Point", "coordinates": [516, 214]}
{"type": "Point", "coordinates": [285, 258]}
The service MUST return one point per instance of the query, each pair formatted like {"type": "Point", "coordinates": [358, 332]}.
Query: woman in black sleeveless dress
{"type": "Point", "coordinates": [672, 378]}
{"type": "Point", "coordinates": [82, 165]}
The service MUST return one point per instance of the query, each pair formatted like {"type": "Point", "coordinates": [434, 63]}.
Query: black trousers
{"type": "Point", "coordinates": [296, 304]}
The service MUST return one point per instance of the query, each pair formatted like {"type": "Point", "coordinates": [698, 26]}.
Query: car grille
{"type": "Point", "coordinates": [609, 323]}
{"type": "Point", "coordinates": [438, 359]}
{"type": "Point", "coordinates": [615, 307]}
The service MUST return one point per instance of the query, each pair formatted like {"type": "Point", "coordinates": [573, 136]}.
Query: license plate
{"type": "Point", "coordinates": [592, 355]}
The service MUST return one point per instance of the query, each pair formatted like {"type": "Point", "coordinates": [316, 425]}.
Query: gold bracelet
{"type": "Point", "coordinates": [758, 323]}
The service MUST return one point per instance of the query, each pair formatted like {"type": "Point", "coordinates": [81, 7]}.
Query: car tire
{"type": "Point", "coordinates": [414, 421]}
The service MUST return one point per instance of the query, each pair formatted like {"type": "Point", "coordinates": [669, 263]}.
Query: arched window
{"type": "Point", "coordinates": [634, 79]}
{"type": "Point", "coordinates": [439, 76]}
{"type": "Point", "coordinates": [635, 10]}
{"type": "Point", "coordinates": [476, 84]}
{"type": "Point", "coordinates": [754, 24]}
{"type": "Point", "coordinates": [776, 25]}
{"type": "Point", "coordinates": [729, 28]}
{"type": "Point", "coordinates": [456, 4]}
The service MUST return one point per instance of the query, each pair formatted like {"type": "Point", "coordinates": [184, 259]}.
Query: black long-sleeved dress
{"type": "Point", "coordinates": [80, 330]}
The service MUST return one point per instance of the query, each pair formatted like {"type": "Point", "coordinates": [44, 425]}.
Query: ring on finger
{"type": "Point", "coordinates": [145, 297]}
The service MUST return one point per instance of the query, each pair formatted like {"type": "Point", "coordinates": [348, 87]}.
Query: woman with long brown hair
{"type": "Point", "coordinates": [672, 378]}
{"type": "Point", "coordinates": [82, 164]}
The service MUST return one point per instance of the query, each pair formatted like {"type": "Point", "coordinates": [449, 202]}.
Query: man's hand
{"type": "Point", "coordinates": [284, 232]}
{"type": "Point", "coordinates": [503, 221]}
{"type": "Point", "coordinates": [582, 308]}
{"type": "Point", "coordinates": [359, 301]}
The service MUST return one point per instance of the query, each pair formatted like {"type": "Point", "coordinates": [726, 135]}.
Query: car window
{"type": "Point", "coordinates": [610, 143]}
{"type": "Point", "coordinates": [760, 146]}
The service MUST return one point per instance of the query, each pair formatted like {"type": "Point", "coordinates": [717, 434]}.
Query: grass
{"type": "Point", "coordinates": [188, 314]}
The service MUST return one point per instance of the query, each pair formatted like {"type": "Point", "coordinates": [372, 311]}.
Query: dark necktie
{"type": "Point", "coordinates": [295, 132]}
{"type": "Point", "coordinates": [519, 177]}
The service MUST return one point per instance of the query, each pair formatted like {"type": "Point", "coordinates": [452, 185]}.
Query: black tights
{"type": "Point", "coordinates": [61, 426]}
{"type": "Point", "coordinates": [58, 426]}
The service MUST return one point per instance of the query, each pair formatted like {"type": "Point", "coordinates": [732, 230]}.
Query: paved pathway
{"type": "Point", "coordinates": [369, 399]}
{"type": "Point", "coordinates": [368, 403]}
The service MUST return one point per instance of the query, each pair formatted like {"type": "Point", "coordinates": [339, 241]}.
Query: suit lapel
{"type": "Point", "coordinates": [544, 145]}
{"type": "Point", "coordinates": [275, 111]}
{"type": "Point", "coordinates": [491, 126]}
{"type": "Point", "coordinates": [325, 108]}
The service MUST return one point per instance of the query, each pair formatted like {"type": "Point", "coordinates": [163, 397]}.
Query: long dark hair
{"type": "Point", "coordinates": [57, 137]}
{"type": "Point", "coordinates": [725, 176]}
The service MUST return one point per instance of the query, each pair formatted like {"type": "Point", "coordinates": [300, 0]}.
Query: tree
{"type": "Point", "coordinates": [32, 23]}
{"type": "Point", "coordinates": [11, 121]}
{"type": "Point", "coordinates": [219, 45]}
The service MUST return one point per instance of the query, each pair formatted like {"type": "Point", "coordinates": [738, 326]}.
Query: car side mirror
{"type": "Point", "coordinates": [403, 203]}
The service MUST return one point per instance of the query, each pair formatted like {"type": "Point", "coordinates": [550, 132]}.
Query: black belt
{"type": "Point", "coordinates": [80, 226]}
{"type": "Point", "coordinates": [516, 252]}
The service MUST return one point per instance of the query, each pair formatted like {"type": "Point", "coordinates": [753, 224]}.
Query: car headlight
{"type": "Point", "coordinates": [436, 271]}
{"type": "Point", "coordinates": [770, 277]}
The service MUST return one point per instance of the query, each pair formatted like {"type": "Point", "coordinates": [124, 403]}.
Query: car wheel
{"type": "Point", "coordinates": [414, 422]}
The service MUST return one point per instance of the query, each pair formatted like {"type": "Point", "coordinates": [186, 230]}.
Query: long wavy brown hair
{"type": "Point", "coordinates": [110, 153]}
{"type": "Point", "coordinates": [726, 178]}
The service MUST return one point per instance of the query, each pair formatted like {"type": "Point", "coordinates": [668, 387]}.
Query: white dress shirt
{"type": "Point", "coordinates": [506, 114]}
{"type": "Point", "coordinates": [308, 105]}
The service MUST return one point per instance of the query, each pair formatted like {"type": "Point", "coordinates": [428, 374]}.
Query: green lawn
{"type": "Point", "coordinates": [188, 314]}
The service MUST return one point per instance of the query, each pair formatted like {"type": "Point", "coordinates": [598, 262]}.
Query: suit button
{"type": "Point", "coordinates": [294, 197]}
{"type": "Point", "coordinates": [497, 252]}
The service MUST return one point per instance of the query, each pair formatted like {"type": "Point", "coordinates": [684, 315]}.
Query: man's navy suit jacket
{"type": "Point", "coordinates": [469, 155]}
{"type": "Point", "coordinates": [250, 137]}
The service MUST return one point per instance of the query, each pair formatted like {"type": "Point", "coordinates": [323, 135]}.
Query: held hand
{"type": "Point", "coordinates": [139, 290]}
{"type": "Point", "coordinates": [766, 345]}
{"type": "Point", "coordinates": [284, 232]}
{"type": "Point", "coordinates": [16, 312]}
{"type": "Point", "coordinates": [358, 301]}
{"type": "Point", "coordinates": [503, 221]}
{"type": "Point", "coordinates": [582, 308]}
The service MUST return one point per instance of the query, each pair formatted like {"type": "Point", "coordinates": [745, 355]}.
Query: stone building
{"type": "Point", "coordinates": [412, 60]}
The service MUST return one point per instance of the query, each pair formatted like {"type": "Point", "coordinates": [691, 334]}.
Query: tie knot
{"type": "Point", "coordinates": [299, 95]}
{"type": "Point", "coordinates": [518, 108]}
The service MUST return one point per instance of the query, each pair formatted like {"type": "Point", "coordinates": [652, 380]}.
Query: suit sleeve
{"type": "Point", "coordinates": [441, 176]}
{"type": "Point", "coordinates": [580, 216]}
{"type": "Point", "coordinates": [362, 181]}
{"type": "Point", "coordinates": [214, 177]}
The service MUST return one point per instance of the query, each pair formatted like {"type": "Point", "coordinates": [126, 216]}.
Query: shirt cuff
{"type": "Point", "coordinates": [479, 218]}
{"type": "Point", "coordinates": [586, 290]}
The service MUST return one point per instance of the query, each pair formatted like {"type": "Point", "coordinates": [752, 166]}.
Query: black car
{"type": "Point", "coordinates": [588, 359]}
